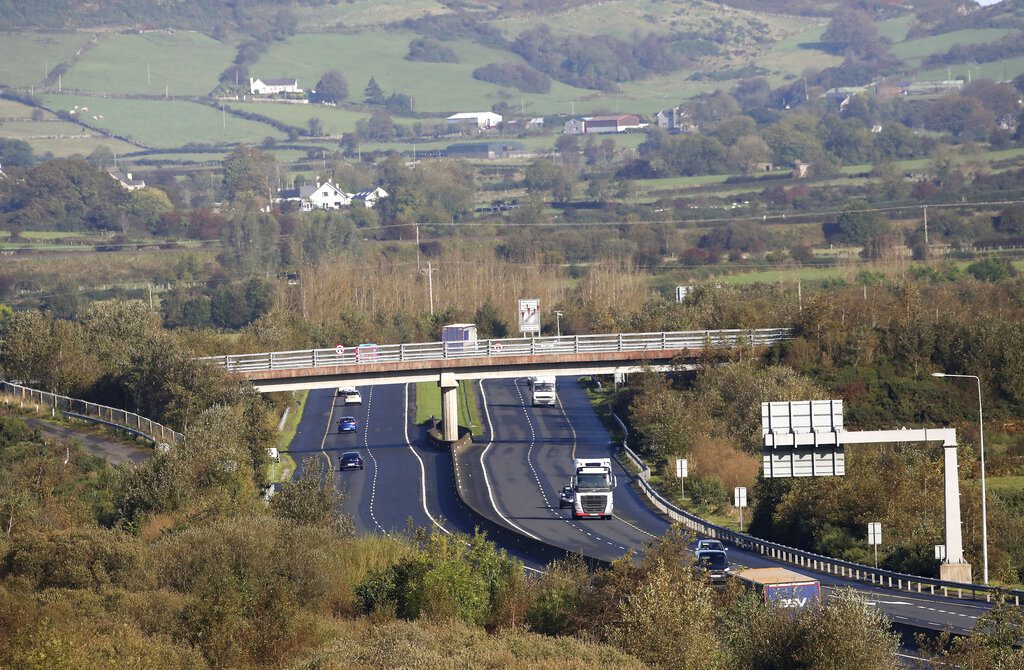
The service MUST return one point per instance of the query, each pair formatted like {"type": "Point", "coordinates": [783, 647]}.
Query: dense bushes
{"type": "Point", "coordinates": [515, 75]}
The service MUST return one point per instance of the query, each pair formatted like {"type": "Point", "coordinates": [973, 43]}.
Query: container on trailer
{"type": "Point", "coordinates": [782, 587]}
{"type": "Point", "coordinates": [458, 336]}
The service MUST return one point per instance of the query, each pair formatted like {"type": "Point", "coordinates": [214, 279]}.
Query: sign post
{"type": "Point", "coordinates": [529, 316]}
{"type": "Point", "coordinates": [875, 537]}
{"type": "Point", "coordinates": [681, 472]}
{"type": "Point", "coordinates": [739, 496]}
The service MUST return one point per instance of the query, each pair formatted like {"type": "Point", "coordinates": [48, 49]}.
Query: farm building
{"type": "Point", "coordinates": [486, 150]}
{"type": "Point", "coordinates": [481, 120]}
{"type": "Point", "coordinates": [126, 181]}
{"type": "Point", "coordinates": [369, 196]}
{"type": "Point", "coordinates": [617, 123]}
{"type": "Point", "coordinates": [274, 86]}
{"type": "Point", "coordinates": [676, 120]}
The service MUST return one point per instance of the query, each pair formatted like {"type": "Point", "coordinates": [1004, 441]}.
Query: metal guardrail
{"type": "Point", "coordinates": [810, 561]}
{"type": "Point", "coordinates": [131, 421]}
{"type": "Point", "coordinates": [491, 349]}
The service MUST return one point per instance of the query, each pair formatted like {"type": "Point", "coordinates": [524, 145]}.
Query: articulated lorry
{"type": "Point", "coordinates": [592, 485]}
{"type": "Point", "coordinates": [544, 392]}
{"type": "Point", "coordinates": [782, 587]}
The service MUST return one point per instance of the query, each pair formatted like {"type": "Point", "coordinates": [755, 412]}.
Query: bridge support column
{"type": "Point", "coordinates": [955, 568]}
{"type": "Point", "coordinates": [449, 406]}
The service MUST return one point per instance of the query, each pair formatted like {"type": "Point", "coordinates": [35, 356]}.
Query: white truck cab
{"type": "Point", "coordinates": [593, 484]}
{"type": "Point", "coordinates": [544, 392]}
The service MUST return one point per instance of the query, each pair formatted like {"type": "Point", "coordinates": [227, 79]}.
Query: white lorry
{"type": "Point", "coordinates": [593, 484]}
{"type": "Point", "coordinates": [544, 392]}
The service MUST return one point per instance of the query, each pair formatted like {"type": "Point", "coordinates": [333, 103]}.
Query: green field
{"type": "Point", "coordinates": [33, 129]}
{"type": "Point", "coordinates": [26, 58]}
{"type": "Point", "coordinates": [1005, 483]}
{"type": "Point", "coordinates": [435, 87]}
{"type": "Point", "coordinates": [896, 29]}
{"type": "Point", "coordinates": [335, 120]}
{"type": "Point", "coordinates": [10, 109]}
{"type": "Point", "coordinates": [164, 123]}
{"type": "Point", "coordinates": [180, 63]}
{"type": "Point", "coordinates": [913, 51]}
{"type": "Point", "coordinates": [363, 13]}
{"type": "Point", "coordinates": [1003, 70]}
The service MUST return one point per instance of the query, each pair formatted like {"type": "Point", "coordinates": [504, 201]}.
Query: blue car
{"type": "Point", "coordinates": [347, 424]}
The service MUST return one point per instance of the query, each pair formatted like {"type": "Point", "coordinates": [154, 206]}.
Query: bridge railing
{"type": "Point", "coordinates": [855, 572]}
{"type": "Point", "coordinates": [363, 354]}
{"type": "Point", "coordinates": [77, 408]}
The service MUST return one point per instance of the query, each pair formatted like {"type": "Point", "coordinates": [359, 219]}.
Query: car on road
{"type": "Point", "coordinates": [351, 460]}
{"type": "Point", "coordinates": [566, 497]}
{"type": "Point", "coordinates": [706, 544]}
{"type": "Point", "coordinates": [351, 396]}
{"type": "Point", "coordinates": [713, 565]}
{"type": "Point", "coordinates": [347, 424]}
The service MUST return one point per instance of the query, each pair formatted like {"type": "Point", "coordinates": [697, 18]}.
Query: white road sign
{"type": "Point", "coordinates": [529, 316]}
{"type": "Point", "coordinates": [681, 470]}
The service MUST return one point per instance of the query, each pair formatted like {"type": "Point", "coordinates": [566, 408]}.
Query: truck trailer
{"type": "Point", "coordinates": [592, 486]}
{"type": "Point", "coordinates": [782, 587]}
{"type": "Point", "coordinates": [459, 338]}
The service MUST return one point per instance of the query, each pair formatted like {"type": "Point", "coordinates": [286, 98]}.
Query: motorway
{"type": "Point", "coordinates": [527, 458]}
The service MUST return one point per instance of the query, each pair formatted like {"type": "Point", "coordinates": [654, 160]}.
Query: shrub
{"type": "Point", "coordinates": [516, 75]}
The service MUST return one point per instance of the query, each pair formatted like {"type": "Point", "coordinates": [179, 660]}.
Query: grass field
{"type": "Point", "coordinates": [913, 51]}
{"type": "Point", "coordinates": [26, 58]}
{"type": "Point", "coordinates": [164, 123]}
{"type": "Point", "coordinates": [1005, 483]}
{"type": "Point", "coordinates": [9, 109]}
{"type": "Point", "coordinates": [428, 403]}
{"type": "Point", "coordinates": [182, 63]}
{"type": "Point", "coordinates": [33, 129]}
{"type": "Point", "coordinates": [335, 120]}
{"type": "Point", "coordinates": [436, 87]}
{"type": "Point", "coordinates": [283, 471]}
{"type": "Point", "coordinates": [364, 13]}
{"type": "Point", "coordinates": [1003, 70]}
{"type": "Point", "coordinates": [896, 29]}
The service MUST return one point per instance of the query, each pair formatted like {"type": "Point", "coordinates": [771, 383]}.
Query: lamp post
{"type": "Point", "coordinates": [558, 323]}
{"type": "Point", "coordinates": [981, 433]}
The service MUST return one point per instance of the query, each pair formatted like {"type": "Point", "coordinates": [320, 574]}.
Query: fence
{"type": "Point", "coordinates": [497, 349]}
{"type": "Point", "coordinates": [778, 552]}
{"type": "Point", "coordinates": [157, 433]}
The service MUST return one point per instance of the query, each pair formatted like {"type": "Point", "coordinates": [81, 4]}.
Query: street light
{"type": "Point", "coordinates": [558, 323]}
{"type": "Point", "coordinates": [981, 433]}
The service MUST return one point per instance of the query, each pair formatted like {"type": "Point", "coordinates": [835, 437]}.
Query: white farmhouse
{"type": "Point", "coordinates": [274, 86]}
{"type": "Point", "coordinates": [316, 196]}
{"type": "Point", "coordinates": [481, 120]}
{"type": "Point", "coordinates": [126, 181]}
{"type": "Point", "coordinates": [370, 196]}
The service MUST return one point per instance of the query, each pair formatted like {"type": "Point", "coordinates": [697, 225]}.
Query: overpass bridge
{"type": "Point", "coordinates": [448, 362]}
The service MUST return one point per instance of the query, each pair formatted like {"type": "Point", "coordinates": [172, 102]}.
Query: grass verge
{"type": "Point", "coordinates": [283, 470]}
{"type": "Point", "coordinates": [428, 404]}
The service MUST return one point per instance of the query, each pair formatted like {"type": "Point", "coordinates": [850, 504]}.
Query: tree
{"type": "Point", "coordinates": [373, 94]}
{"type": "Point", "coordinates": [332, 87]}
{"type": "Point", "coordinates": [250, 241]}
{"type": "Point", "coordinates": [853, 31]}
{"type": "Point", "coordinates": [314, 127]}
{"type": "Point", "coordinates": [1011, 220]}
{"type": "Point", "coordinates": [991, 269]}
{"type": "Point", "coordinates": [15, 152]}
{"type": "Point", "coordinates": [147, 205]}
{"type": "Point", "coordinates": [310, 500]}
{"type": "Point", "coordinates": [249, 172]}
{"type": "Point", "coordinates": [102, 157]}
{"type": "Point", "coordinates": [856, 225]}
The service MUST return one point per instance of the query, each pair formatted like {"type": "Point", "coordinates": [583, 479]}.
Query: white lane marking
{"type": "Point", "coordinates": [423, 469]}
{"type": "Point", "coordinates": [536, 477]}
{"type": "Point", "coordinates": [327, 431]}
{"type": "Point", "coordinates": [483, 466]}
{"type": "Point", "coordinates": [912, 604]}
{"type": "Point", "coordinates": [366, 445]}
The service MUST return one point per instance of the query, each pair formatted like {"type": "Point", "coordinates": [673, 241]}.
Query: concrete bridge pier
{"type": "Point", "coordinates": [955, 568]}
{"type": "Point", "coordinates": [449, 406]}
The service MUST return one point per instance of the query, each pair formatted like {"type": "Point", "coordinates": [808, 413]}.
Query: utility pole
{"type": "Point", "coordinates": [149, 79]}
{"type": "Point", "coordinates": [430, 286]}
{"type": "Point", "coordinates": [417, 248]}
{"type": "Point", "coordinates": [925, 208]}
{"type": "Point", "coordinates": [150, 287]}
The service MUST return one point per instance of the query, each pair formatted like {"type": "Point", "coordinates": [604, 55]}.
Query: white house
{"type": "Point", "coordinates": [274, 86]}
{"type": "Point", "coordinates": [126, 181]}
{"type": "Point", "coordinates": [316, 196]}
{"type": "Point", "coordinates": [370, 196]}
{"type": "Point", "coordinates": [480, 120]}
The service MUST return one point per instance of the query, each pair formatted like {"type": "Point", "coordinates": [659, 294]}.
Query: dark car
{"type": "Point", "coordinates": [566, 497]}
{"type": "Point", "coordinates": [713, 564]}
{"type": "Point", "coordinates": [351, 460]}
{"type": "Point", "coordinates": [347, 424]}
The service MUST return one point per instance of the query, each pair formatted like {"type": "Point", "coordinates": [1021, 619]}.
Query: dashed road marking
{"type": "Point", "coordinates": [423, 469]}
